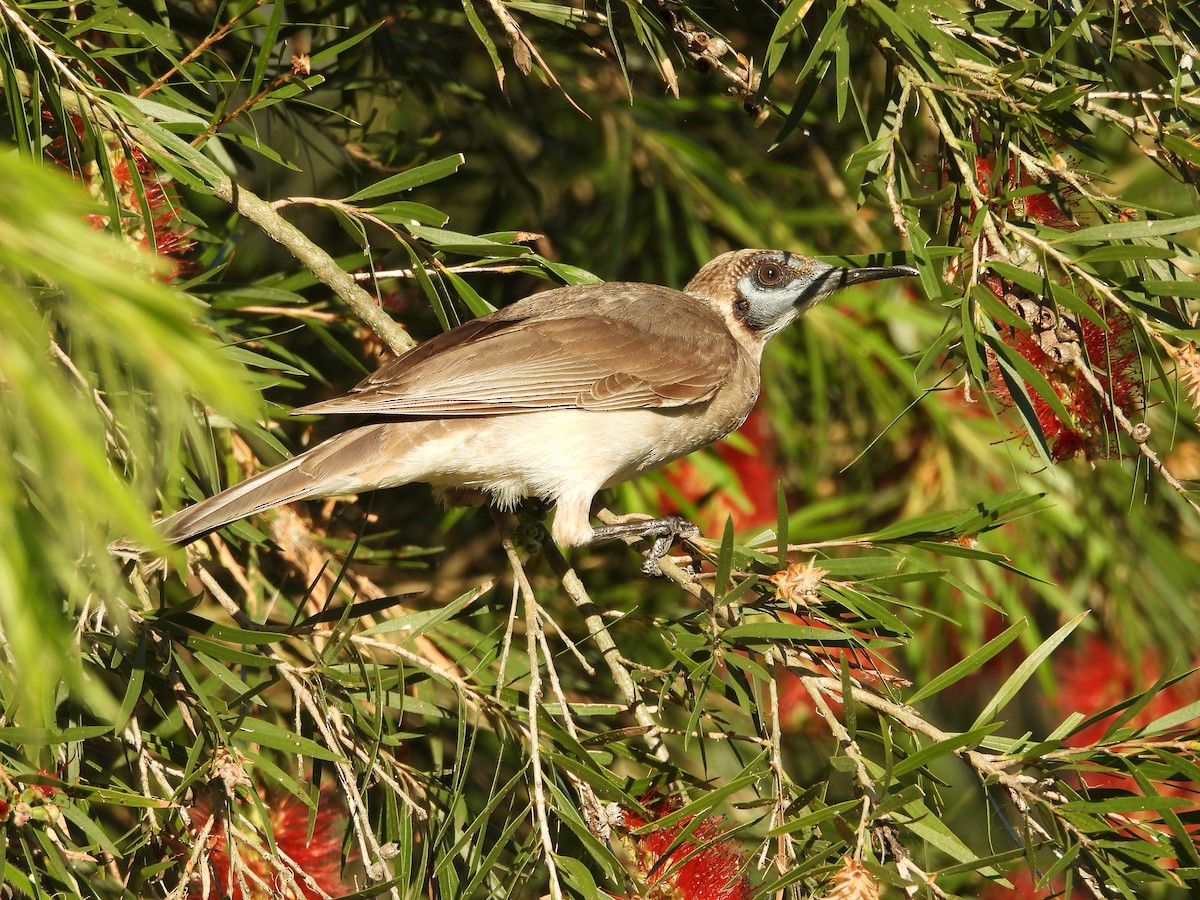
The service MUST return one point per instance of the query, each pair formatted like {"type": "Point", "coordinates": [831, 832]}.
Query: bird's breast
{"type": "Point", "coordinates": [560, 452]}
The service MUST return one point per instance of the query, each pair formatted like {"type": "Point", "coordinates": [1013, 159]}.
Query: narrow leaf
{"type": "Point", "coordinates": [411, 178]}
{"type": "Point", "coordinates": [1024, 672]}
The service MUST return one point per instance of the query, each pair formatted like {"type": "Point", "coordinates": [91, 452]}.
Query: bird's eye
{"type": "Point", "coordinates": [769, 274]}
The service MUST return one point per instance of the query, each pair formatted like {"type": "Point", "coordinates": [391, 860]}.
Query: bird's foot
{"type": "Point", "coordinates": [662, 533]}
{"type": "Point", "coordinates": [530, 530]}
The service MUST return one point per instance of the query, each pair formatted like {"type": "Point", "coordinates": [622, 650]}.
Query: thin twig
{"type": "Point", "coordinates": [213, 38]}
{"type": "Point", "coordinates": [784, 851]}
{"type": "Point", "coordinates": [1140, 435]}
{"type": "Point", "coordinates": [373, 854]}
{"type": "Point", "coordinates": [1022, 788]}
{"type": "Point", "coordinates": [523, 48]}
{"type": "Point", "coordinates": [599, 634]}
{"type": "Point", "coordinates": [533, 629]}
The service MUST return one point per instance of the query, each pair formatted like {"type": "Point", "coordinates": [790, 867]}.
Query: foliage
{"type": "Point", "coordinates": [944, 651]}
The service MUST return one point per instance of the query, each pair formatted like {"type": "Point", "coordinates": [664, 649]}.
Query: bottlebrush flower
{"type": "Point", "coordinates": [1098, 675]}
{"type": "Point", "coordinates": [318, 859]}
{"type": "Point", "coordinates": [1053, 346]}
{"type": "Point", "coordinates": [158, 227]}
{"type": "Point", "coordinates": [1036, 204]}
{"type": "Point", "coordinates": [1042, 200]}
{"type": "Point", "coordinates": [702, 866]}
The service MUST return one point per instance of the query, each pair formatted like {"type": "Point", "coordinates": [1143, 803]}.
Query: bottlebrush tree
{"type": "Point", "coordinates": [939, 635]}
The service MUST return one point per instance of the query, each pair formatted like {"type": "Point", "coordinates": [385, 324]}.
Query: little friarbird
{"type": "Point", "coordinates": [555, 397]}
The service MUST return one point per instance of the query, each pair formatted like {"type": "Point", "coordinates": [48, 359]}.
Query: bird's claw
{"type": "Point", "coordinates": [665, 532]}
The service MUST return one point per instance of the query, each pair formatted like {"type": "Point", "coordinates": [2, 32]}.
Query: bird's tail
{"type": "Point", "coordinates": [330, 469]}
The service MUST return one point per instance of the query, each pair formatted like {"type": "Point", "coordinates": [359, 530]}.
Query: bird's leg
{"type": "Point", "coordinates": [662, 532]}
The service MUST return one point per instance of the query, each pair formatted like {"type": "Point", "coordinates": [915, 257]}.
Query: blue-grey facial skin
{"type": "Point", "coordinates": [780, 287]}
{"type": "Point", "coordinates": [775, 291]}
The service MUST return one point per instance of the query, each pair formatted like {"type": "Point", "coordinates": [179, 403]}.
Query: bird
{"type": "Point", "coordinates": [554, 398]}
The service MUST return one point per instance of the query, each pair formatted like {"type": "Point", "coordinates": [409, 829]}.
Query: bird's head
{"type": "Point", "coordinates": [759, 292]}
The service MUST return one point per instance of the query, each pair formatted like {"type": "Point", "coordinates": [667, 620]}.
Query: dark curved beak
{"type": "Point", "coordinates": [845, 277]}
{"type": "Point", "coordinates": [835, 278]}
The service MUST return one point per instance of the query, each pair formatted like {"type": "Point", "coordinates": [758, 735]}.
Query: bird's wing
{"type": "Point", "coordinates": [601, 347]}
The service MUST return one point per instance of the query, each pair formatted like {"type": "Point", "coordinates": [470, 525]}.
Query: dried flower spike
{"type": "Point", "coordinates": [798, 585]}
{"type": "Point", "coordinates": [853, 882]}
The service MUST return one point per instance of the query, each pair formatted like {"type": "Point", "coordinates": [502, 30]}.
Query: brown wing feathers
{"type": "Point", "coordinates": [611, 346]}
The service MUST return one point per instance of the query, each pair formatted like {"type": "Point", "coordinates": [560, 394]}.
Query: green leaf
{"type": "Point", "coordinates": [1125, 252]}
{"type": "Point", "coordinates": [816, 817]}
{"type": "Point", "coordinates": [1127, 804]}
{"type": "Point", "coordinates": [1125, 231]}
{"type": "Point", "coordinates": [266, 50]}
{"type": "Point", "coordinates": [936, 833]}
{"type": "Point", "coordinates": [969, 664]}
{"type": "Point", "coordinates": [22, 736]}
{"type": "Point", "coordinates": [416, 624]}
{"type": "Point", "coordinates": [1024, 672]}
{"type": "Point", "coordinates": [475, 303]}
{"type": "Point", "coordinates": [939, 749]}
{"type": "Point", "coordinates": [999, 312]}
{"type": "Point", "coordinates": [1189, 289]}
{"type": "Point", "coordinates": [268, 734]}
{"type": "Point", "coordinates": [90, 827]}
{"type": "Point", "coordinates": [411, 178]}
{"type": "Point", "coordinates": [724, 560]}
{"type": "Point", "coordinates": [489, 45]}
{"type": "Point", "coordinates": [1019, 395]}
{"type": "Point", "coordinates": [457, 242]}
{"type": "Point", "coordinates": [1030, 375]}
{"type": "Point", "coordinates": [771, 632]}
{"type": "Point", "coordinates": [327, 54]}
{"type": "Point", "coordinates": [1175, 719]}
{"type": "Point", "coordinates": [707, 802]}
{"type": "Point", "coordinates": [228, 632]}
{"type": "Point", "coordinates": [984, 515]}
{"type": "Point", "coordinates": [405, 213]}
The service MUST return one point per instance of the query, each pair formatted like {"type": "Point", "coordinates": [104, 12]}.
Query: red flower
{"type": "Point", "coordinates": [1023, 889]}
{"type": "Point", "coordinates": [1036, 204]}
{"type": "Point", "coordinates": [1097, 675]}
{"type": "Point", "coordinates": [702, 866]}
{"type": "Point", "coordinates": [318, 859]}
{"type": "Point", "coordinates": [1059, 348]}
{"type": "Point", "coordinates": [163, 232]}
{"type": "Point", "coordinates": [1051, 347]}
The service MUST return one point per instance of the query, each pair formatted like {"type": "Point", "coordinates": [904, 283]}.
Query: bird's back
{"type": "Point", "coordinates": [600, 347]}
